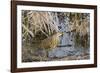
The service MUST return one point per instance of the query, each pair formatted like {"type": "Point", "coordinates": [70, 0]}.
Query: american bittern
{"type": "Point", "coordinates": [50, 42]}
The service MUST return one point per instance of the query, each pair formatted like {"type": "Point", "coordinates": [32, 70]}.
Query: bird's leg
{"type": "Point", "coordinates": [47, 53]}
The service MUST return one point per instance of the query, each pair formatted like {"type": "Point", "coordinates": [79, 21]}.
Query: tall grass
{"type": "Point", "coordinates": [36, 24]}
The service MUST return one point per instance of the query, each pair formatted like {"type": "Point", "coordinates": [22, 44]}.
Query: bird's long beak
{"type": "Point", "coordinates": [61, 33]}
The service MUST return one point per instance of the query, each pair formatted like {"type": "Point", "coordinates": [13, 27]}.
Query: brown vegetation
{"type": "Point", "coordinates": [39, 29]}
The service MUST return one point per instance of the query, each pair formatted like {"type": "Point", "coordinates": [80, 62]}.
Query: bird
{"type": "Point", "coordinates": [50, 42]}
